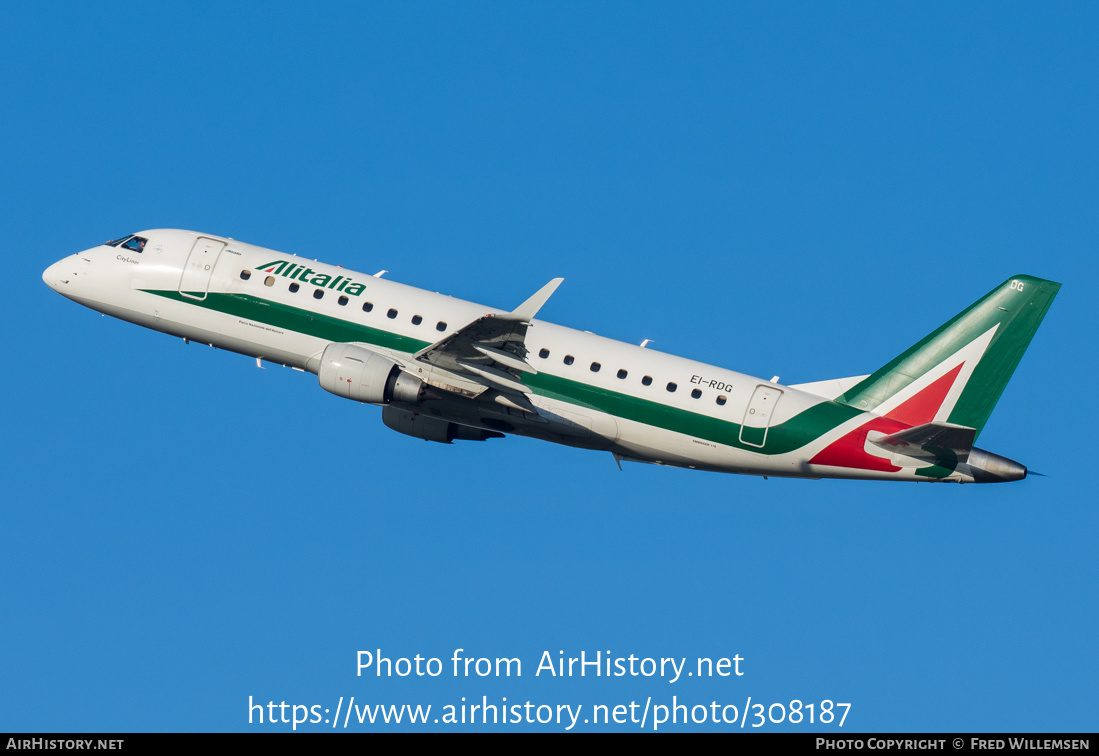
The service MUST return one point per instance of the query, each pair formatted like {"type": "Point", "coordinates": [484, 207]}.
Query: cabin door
{"type": "Point", "coordinates": [757, 418]}
{"type": "Point", "coordinates": [199, 267]}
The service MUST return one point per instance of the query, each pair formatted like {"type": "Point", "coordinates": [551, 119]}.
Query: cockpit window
{"type": "Point", "coordinates": [116, 242]}
{"type": "Point", "coordinates": [135, 244]}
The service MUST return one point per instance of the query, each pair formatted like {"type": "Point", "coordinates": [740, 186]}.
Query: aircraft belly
{"type": "Point", "coordinates": [223, 331]}
{"type": "Point", "coordinates": [646, 443]}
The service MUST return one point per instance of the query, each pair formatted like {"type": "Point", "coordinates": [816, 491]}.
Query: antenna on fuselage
{"type": "Point", "coordinates": [646, 342]}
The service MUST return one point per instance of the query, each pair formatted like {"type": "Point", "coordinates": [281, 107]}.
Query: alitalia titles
{"type": "Point", "coordinates": [304, 274]}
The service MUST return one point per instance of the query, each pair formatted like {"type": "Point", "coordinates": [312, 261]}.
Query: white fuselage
{"type": "Point", "coordinates": [589, 391]}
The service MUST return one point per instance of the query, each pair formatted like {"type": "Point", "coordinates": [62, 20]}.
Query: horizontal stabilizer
{"type": "Point", "coordinates": [929, 437]}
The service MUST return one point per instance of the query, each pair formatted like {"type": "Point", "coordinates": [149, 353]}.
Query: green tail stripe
{"type": "Point", "coordinates": [1015, 308]}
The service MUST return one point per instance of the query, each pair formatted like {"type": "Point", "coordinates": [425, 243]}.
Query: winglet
{"type": "Point", "coordinates": [525, 312]}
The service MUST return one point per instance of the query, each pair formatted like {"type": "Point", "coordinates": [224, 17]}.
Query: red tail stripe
{"type": "Point", "coordinates": [922, 407]}
{"type": "Point", "coordinates": [850, 451]}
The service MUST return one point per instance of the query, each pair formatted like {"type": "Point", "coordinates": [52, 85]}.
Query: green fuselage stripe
{"type": "Point", "coordinates": [785, 437]}
{"type": "Point", "coordinates": [296, 319]}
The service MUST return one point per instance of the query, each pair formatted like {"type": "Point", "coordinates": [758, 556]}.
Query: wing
{"type": "Point", "coordinates": [491, 351]}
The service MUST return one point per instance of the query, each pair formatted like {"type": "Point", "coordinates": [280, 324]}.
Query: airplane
{"type": "Point", "coordinates": [444, 370]}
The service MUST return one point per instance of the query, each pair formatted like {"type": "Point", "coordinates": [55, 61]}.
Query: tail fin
{"type": "Point", "coordinates": [957, 374]}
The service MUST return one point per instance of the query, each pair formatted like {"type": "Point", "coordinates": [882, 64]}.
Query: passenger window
{"type": "Point", "coordinates": [595, 367]}
{"type": "Point", "coordinates": [368, 306]}
{"type": "Point", "coordinates": [543, 353]}
{"type": "Point", "coordinates": [696, 394]}
{"type": "Point", "coordinates": [294, 288]}
{"type": "Point", "coordinates": [622, 373]}
{"type": "Point", "coordinates": [647, 380]}
{"type": "Point", "coordinates": [342, 301]}
{"type": "Point", "coordinates": [416, 320]}
{"type": "Point", "coordinates": [672, 387]}
{"type": "Point", "coordinates": [569, 359]}
{"type": "Point", "coordinates": [245, 275]}
{"type": "Point", "coordinates": [391, 314]}
{"type": "Point", "coordinates": [440, 326]}
{"type": "Point", "coordinates": [318, 294]}
{"type": "Point", "coordinates": [269, 281]}
{"type": "Point", "coordinates": [721, 399]}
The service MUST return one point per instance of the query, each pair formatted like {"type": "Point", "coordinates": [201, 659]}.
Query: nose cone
{"type": "Point", "coordinates": [63, 273]}
{"type": "Point", "coordinates": [50, 275]}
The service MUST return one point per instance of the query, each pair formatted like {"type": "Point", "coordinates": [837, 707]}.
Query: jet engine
{"type": "Point", "coordinates": [356, 373]}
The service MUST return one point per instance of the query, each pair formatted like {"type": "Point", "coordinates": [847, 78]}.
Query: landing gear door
{"type": "Point", "coordinates": [195, 280]}
{"type": "Point", "coordinates": [757, 418]}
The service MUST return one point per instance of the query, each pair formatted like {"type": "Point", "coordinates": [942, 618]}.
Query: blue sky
{"type": "Point", "coordinates": [800, 189]}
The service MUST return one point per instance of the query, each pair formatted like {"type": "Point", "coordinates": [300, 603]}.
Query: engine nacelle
{"type": "Point", "coordinates": [432, 428]}
{"type": "Point", "coordinates": [356, 373]}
